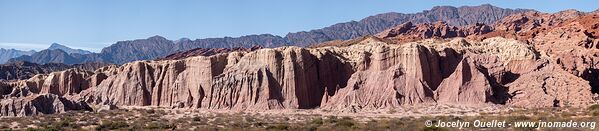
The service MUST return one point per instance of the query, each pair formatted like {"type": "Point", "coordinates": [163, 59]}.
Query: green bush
{"type": "Point", "coordinates": [595, 113]}
{"type": "Point", "coordinates": [317, 121]}
{"type": "Point", "coordinates": [594, 107]}
{"type": "Point", "coordinates": [278, 127]}
{"type": "Point", "coordinates": [346, 122]}
{"type": "Point", "coordinates": [332, 119]}
{"type": "Point", "coordinates": [151, 111]}
{"type": "Point", "coordinates": [159, 125]}
{"type": "Point", "coordinates": [110, 125]}
{"type": "Point", "coordinates": [55, 126]}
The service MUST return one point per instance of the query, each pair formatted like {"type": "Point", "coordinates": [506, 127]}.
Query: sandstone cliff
{"type": "Point", "coordinates": [539, 60]}
{"type": "Point", "coordinates": [369, 75]}
{"type": "Point", "coordinates": [38, 105]}
{"type": "Point", "coordinates": [458, 71]}
{"type": "Point", "coordinates": [20, 70]}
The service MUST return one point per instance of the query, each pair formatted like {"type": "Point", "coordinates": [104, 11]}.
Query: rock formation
{"type": "Point", "coordinates": [537, 60]}
{"type": "Point", "coordinates": [38, 105]}
{"type": "Point", "coordinates": [458, 72]}
{"type": "Point", "coordinates": [553, 88]}
{"type": "Point", "coordinates": [205, 52]}
{"type": "Point", "coordinates": [408, 32]}
{"type": "Point", "coordinates": [339, 78]}
{"type": "Point", "coordinates": [20, 70]}
{"type": "Point", "coordinates": [466, 85]}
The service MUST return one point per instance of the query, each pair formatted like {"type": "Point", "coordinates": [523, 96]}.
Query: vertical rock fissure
{"type": "Point", "coordinates": [592, 76]}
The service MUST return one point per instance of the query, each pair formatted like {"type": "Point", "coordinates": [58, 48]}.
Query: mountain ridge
{"type": "Point", "coordinates": [527, 60]}
{"type": "Point", "coordinates": [157, 46]}
{"type": "Point", "coordinates": [7, 54]}
{"type": "Point", "coordinates": [66, 49]}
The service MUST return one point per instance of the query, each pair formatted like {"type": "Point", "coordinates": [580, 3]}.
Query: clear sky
{"type": "Point", "coordinates": [93, 24]}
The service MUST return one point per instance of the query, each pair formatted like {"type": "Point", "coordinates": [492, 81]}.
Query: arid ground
{"type": "Point", "coordinates": [151, 118]}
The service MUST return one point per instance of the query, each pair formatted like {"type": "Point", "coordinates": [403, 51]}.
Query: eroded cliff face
{"type": "Point", "coordinates": [548, 60]}
{"type": "Point", "coordinates": [530, 60]}
{"type": "Point", "coordinates": [37, 104]}
{"type": "Point", "coordinates": [368, 75]}
{"type": "Point", "coordinates": [299, 78]}
{"type": "Point", "coordinates": [265, 79]}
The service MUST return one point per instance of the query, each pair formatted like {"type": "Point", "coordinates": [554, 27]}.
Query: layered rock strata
{"type": "Point", "coordinates": [369, 75]}
{"type": "Point", "coordinates": [39, 104]}
{"type": "Point", "coordinates": [539, 60]}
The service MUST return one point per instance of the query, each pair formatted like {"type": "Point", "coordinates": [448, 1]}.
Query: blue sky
{"type": "Point", "coordinates": [87, 24]}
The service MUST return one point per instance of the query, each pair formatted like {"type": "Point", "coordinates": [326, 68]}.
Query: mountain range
{"type": "Point", "coordinates": [50, 55]}
{"type": "Point", "coordinates": [66, 49]}
{"type": "Point", "coordinates": [6, 54]}
{"type": "Point", "coordinates": [529, 60]}
{"type": "Point", "coordinates": [157, 46]}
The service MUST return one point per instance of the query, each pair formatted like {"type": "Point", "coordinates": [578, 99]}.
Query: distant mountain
{"type": "Point", "coordinates": [66, 49]}
{"type": "Point", "coordinates": [6, 54]}
{"type": "Point", "coordinates": [58, 56]}
{"type": "Point", "coordinates": [48, 56]}
{"type": "Point", "coordinates": [157, 46]}
{"type": "Point", "coordinates": [461, 16]}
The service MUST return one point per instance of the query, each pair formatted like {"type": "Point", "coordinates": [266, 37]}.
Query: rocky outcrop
{"type": "Point", "coordinates": [206, 52]}
{"type": "Point", "coordinates": [21, 70]}
{"type": "Point", "coordinates": [548, 60]}
{"type": "Point", "coordinates": [24, 70]}
{"type": "Point", "coordinates": [367, 75]}
{"type": "Point", "coordinates": [567, 39]}
{"type": "Point", "coordinates": [466, 85]}
{"type": "Point", "coordinates": [409, 32]}
{"type": "Point", "coordinates": [338, 78]}
{"type": "Point", "coordinates": [46, 94]}
{"type": "Point", "coordinates": [554, 87]}
{"type": "Point", "coordinates": [571, 42]}
{"type": "Point", "coordinates": [401, 75]}
{"type": "Point", "coordinates": [70, 81]}
{"type": "Point", "coordinates": [526, 26]}
{"type": "Point", "coordinates": [38, 105]}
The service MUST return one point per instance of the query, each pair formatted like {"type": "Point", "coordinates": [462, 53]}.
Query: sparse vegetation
{"type": "Point", "coordinates": [317, 121]}
{"type": "Point", "coordinates": [140, 119]}
{"type": "Point", "coordinates": [278, 127]}
{"type": "Point", "coordinates": [112, 125]}
{"type": "Point", "coordinates": [595, 113]}
{"type": "Point", "coordinates": [159, 125]}
{"type": "Point", "coordinates": [345, 122]}
{"type": "Point", "coordinates": [151, 111]}
{"type": "Point", "coordinates": [594, 107]}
